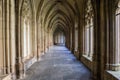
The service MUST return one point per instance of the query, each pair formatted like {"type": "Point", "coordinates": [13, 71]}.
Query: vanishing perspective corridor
{"type": "Point", "coordinates": [59, 39]}
{"type": "Point", "coordinates": [58, 64]}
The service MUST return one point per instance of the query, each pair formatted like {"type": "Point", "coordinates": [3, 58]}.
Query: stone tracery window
{"type": "Point", "coordinates": [26, 27]}
{"type": "Point", "coordinates": [89, 30]}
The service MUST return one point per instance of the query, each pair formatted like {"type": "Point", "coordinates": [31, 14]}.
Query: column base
{"type": "Point", "coordinates": [113, 67]}
{"type": "Point", "coordinates": [6, 77]}
{"type": "Point", "coordinates": [76, 53]}
{"type": "Point", "coordinates": [20, 71]}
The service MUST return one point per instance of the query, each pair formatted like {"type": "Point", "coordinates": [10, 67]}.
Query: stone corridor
{"type": "Point", "coordinates": [58, 64]}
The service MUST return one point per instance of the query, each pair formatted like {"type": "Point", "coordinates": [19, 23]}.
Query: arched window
{"type": "Point", "coordinates": [26, 36]}
{"type": "Point", "coordinates": [89, 30]}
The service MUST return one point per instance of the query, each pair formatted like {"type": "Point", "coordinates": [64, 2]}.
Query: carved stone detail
{"type": "Point", "coordinates": [89, 14]}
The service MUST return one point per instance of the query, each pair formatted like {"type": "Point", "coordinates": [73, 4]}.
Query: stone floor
{"type": "Point", "coordinates": [58, 64]}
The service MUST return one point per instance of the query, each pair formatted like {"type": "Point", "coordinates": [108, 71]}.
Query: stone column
{"type": "Point", "coordinates": [38, 40]}
{"type": "Point", "coordinates": [69, 39]}
{"type": "Point", "coordinates": [1, 39]}
{"type": "Point", "coordinates": [112, 55]}
{"type": "Point", "coordinates": [76, 50]}
{"type": "Point", "coordinates": [19, 63]}
{"type": "Point", "coordinates": [73, 38]}
{"type": "Point", "coordinates": [42, 39]}
{"type": "Point", "coordinates": [7, 36]}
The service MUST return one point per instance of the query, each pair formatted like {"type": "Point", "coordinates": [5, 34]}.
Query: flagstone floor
{"type": "Point", "coordinates": [58, 64]}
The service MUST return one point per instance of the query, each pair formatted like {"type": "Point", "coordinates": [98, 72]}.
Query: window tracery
{"type": "Point", "coordinates": [89, 29]}
{"type": "Point", "coordinates": [26, 22]}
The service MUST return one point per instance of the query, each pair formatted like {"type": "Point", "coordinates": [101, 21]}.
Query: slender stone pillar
{"type": "Point", "coordinates": [113, 62]}
{"type": "Point", "coordinates": [7, 36]}
{"type": "Point", "coordinates": [38, 40]}
{"type": "Point", "coordinates": [1, 39]}
{"type": "Point", "coordinates": [19, 63]}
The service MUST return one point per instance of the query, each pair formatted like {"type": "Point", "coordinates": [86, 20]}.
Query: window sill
{"type": "Point", "coordinates": [115, 74]}
{"type": "Point", "coordinates": [88, 58]}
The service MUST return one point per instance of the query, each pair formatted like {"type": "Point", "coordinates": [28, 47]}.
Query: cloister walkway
{"type": "Point", "coordinates": [58, 64]}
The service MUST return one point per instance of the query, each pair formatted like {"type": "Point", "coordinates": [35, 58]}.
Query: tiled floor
{"type": "Point", "coordinates": [58, 64]}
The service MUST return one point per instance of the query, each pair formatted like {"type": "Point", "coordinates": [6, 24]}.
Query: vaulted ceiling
{"type": "Point", "coordinates": [53, 13]}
